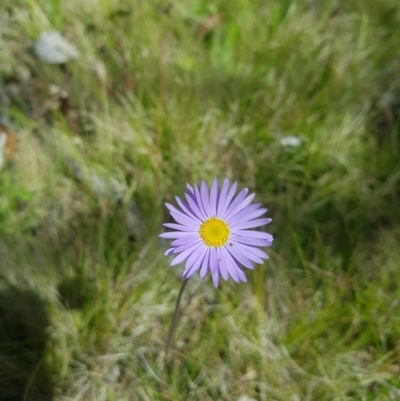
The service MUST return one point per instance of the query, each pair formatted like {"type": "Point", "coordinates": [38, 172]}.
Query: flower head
{"type": "Point", "coordinates": [213, 233]}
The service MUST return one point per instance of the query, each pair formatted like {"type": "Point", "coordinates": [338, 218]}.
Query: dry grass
{"type": "Point", "coordinates": [151, 104]}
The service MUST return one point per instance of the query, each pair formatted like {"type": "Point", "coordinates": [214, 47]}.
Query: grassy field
{"type": "Point", "coordinates": [297, 100]}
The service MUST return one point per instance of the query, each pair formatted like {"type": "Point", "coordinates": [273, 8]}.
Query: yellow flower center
{"type": "Point", "coordinates": [214, 232]}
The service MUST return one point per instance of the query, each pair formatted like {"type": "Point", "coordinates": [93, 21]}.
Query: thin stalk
{"type": "Point", "coordinates": [174, 322]}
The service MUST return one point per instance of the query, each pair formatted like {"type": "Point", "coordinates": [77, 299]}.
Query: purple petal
{"type": "Point", "coordinates": [251, 252]}
{"type": "Point", "coordinates": [177, 212]}
{"type": "Point", "coordinates": [199, 202]}
{"type": "Point", "coordinates": [240, 258]}
{"type": "Point", "coordinates": [214, 197]}
{"type": "Point", "coordinates": [233, 210]}
{"type": "Point", "coordinates": [186, 208]}
{"type": "Point", "coordinates": [249, 213]}
{"type": "Point", "coordinates": [174, 234]}
{"type": "Point", "coordinates": [222, 265]}
{"type": "Point", "coordinates": [187, 240]}
{"type": "Point", "coordinates": [214, 266]}
{"type": "Point", "coordinates": [205, 198]}
{"type": "Point", "coordinates": [246, 253]}
{"type": "Point", "coordinates": [182, 256]}
{"type": "Point", "coordinates": [237, 201]}
{"type": "Point", "coordinates": [184, 220]}
{"type": "Point", "coordinates": [250, 241]}
{"type": "Point", "coordinates": [253, 224]}
{"type": "Point", "coordinates": [222, 197]}
{"type": "Point", "coordinates": [227, 201]}
{"type": "Point", "coordinates": [206, 263]}
{"type": "Point", "coordinates": [234, 270]}
{"type": "Point", "coordinates": [169, 251]}
{"type": "Point", "coordinates": [198, 211]}
{"type": "Point", "coordinates": [183, 248]}
{"type": "Point", "coordinates": [190, 188]}
{"type": "Point", "coordinates": [252, 234]}
{"type": "Point", "coordinates": [193, 257]}
{"type": "Point", "coordinates": [194, 261]}
{"type": "Point", "coordinates": [242, 275]}
{"type": "Point", "coordinates": [180, 227]}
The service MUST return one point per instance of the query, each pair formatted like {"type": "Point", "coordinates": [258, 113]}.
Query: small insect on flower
{"type": "Point", "coordinates": [213, 233]}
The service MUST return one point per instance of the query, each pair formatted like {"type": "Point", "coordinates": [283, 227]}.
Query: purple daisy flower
{"type": "Point", "coordinates": [213, 232]}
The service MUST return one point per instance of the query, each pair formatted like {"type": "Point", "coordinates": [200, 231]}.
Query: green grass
{"type": "Point", "coordinates": [86, 293]}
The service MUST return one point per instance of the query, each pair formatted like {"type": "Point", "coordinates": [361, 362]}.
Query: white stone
{"type": "Point", "coordinates": [53, 48]}
{"type": "Point", "coordinates": [291, 140]}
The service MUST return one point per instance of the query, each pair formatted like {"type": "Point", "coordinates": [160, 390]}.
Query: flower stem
{"type": "Point", "coordinates": [174, 322]}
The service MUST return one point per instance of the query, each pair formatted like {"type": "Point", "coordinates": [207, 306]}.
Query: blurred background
{"type": "Point", "coordinates": [109, 107]}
